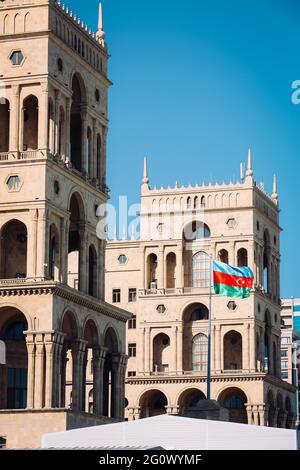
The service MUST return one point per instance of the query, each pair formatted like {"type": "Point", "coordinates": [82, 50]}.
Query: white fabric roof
{"type": "Point", "coordinates": [175, 433]}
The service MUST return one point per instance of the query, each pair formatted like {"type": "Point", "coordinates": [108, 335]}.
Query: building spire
{"type": "Point", "coordinates": [100, 33]}
{"type": "Point", "coordinates": [145, 176]}
{"type": "Point", "coordinates": [275, 193]}
{"type": "Point", "coordinates": [249, 166]}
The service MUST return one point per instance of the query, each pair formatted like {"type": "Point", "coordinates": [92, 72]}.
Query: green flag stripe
{"type": "Point", "coordinates": [230, 291]}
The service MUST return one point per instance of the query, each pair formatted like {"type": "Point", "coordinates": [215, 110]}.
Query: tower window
{"type": "Point", "coordinates": [122, 259]}
{"type": "Point", "coordinates": [132, 350]}
{"type": "Point", "coordinates": [132, 323]}
{"type": "Point", "coordinates": [116, 297]}
{"type": "Point", "coordinates": [16, 58]}
{"type": "Point", "coordinates": [132, 295]}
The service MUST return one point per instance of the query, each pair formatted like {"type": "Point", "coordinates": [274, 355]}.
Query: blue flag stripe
{"type": "Point", "coordinates": [226, 269]}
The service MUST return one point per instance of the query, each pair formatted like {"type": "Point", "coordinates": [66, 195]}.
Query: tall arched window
{"type": "Point", "coordinates": [31, 123]}
{"type": "Point", "coordinates": [223, 256]}
{"type": "Point", "coordinates": [196, 202]}
{"type": "Point", "coordinates": [199, 353]}
{"type": "Point", "coordinates": [242, 257]}
{"type": "Point", "coordinates": [201, 269]}
{"type": "Point", "coordinates": [189, 203]}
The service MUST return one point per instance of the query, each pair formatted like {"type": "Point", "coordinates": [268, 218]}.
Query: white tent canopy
{"type": "Point", "coordinates": [175, 433]}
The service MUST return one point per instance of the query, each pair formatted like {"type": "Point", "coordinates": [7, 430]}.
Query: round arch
{"type": "Point", "coordinates": [14, 246]}
{"type": "Point", "coordinates": [153, 402]}
{"type": "Point", "coordinates": [234, 399]}
{"type": "Point", "coordinates": [189, 398]}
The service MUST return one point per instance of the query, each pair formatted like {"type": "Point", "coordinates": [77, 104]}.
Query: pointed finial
{"type": "Point", "coordinates": [275, 193]}
{"type": "Point", "coordinates": [249, 166]}
{"type": "Point", "coordinates": [100, 33]}
{"type": "Point", "coordinates": [145, 176]}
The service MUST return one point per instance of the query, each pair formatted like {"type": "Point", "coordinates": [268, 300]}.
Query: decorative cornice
{"type": "Point", "coordinates": [29, 287]}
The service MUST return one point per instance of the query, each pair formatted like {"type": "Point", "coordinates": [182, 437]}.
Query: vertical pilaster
{"type": "Point", "coordinates": [39, 372]}
{"type": "Point", "coordinates": [68, 131]}
{"type": "Point", "coordinates": [99, 355]}
{"type": "Point", "coordinates": [31, 369]}
{"type": "Point", "coordinates": [179, 349]}
{"type": "Point", "coordinates": [43, 118]}
{"type": "Point", "coordinates": [14, 119]}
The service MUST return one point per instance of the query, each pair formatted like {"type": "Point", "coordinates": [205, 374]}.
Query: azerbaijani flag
{"type": "Point", "coordinates": [232, 282]}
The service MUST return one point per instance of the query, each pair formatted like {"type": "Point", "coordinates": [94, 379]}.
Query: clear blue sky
{"type": "Point", "coordinates": [195, 84]}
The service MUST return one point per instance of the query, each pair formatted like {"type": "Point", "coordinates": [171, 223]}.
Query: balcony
{"type": "Point", "coordinates": [35, 155]}
{"type": "Point", "coordinates": [174, 292]}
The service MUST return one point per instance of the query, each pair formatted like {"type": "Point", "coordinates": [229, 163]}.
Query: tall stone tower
{"type": "Point", "coordinates": [164, 280]}
{"type": "Point", "coordinates": [53, 318]}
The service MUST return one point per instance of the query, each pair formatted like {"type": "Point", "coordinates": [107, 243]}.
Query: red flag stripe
{"type": "Point", "coordinates": [235, 281]}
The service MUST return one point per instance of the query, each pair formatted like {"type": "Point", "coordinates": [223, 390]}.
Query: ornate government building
{"type": "Point", "coordinates": [56, 326]}
{"type": "Point", "coordinates": [164, 280]}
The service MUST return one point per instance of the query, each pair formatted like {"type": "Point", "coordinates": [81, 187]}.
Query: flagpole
{"type": "Point", "coordinates": [209, 333]}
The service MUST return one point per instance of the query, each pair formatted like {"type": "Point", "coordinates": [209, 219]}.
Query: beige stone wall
{"type": "Point", "coordinates": [239, 216]}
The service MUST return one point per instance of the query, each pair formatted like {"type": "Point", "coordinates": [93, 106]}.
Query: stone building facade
{"type": "Point", "coordinates": [54, 321]}
{"type": "Point", "coordinates": [164, 280]}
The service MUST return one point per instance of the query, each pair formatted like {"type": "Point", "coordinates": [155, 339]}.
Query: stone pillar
{"type": "Point", "coordinates": [43, 118]}
{"type": "Point", "coordinates": [180, 349]}
{"type": "Point", "coordinates": [232, 257]}
{"type": "Point", "coordinates": [249, 413]}
{"type": "Point", "coordinates": [263, 411]}
{"type": "Point", "coordinates": [14, 119]}
{"type": "Point", "coordinates": [39, 372]}
{"type": "Point", "coordinates": [53, 348]}
{"type": "Point", "coordinates": [94, 151]}
{"type": "Point", "coordinates": [143, 270]}
{"type": "Point", "coordinates": [56, 122]}
{"type": "Point", "coordinates": [252, 349]}
{"type": "Point", "coordinates": [78, 353]}
{"type": "Point", "coordinates": [256, 414]}
{"type": "Point", "coordinates": [141, 350]}
{"type": "Point", "coordinates": [160, 268]}
{"type": "Point", "coordinates": [83, 260]}
{"type": "Point", "coordinates": [179, 282]}
{"type": "Point", "coordinates": [83, 143]}
{"type": "Point", "coordinates": [148, 367]}
{"type": "Point", "coordinates": [173, 364]}
{"type": "Point", "coordinates": [21, 129]}
{"type": "Point", "coordinates": [64, 248]}
{"type": "Point", "coordinates": [31, 365]}
{"type": "Point", "coordinates": [68, 131]}
{"type": "Point", "coordinates": [99, 355]}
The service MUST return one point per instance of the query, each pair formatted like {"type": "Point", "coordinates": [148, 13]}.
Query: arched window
{"type": "Point", "coordinates": [13, 250]}
{"type": "Point", "coordinates": [233, 351]}
{"type": "Point", "coordinates": [242, 257]}
{"type": "Point", "coordinates": [201, 270]}
{"type": "Point", "coordinates": [199, 353]}
{"type": "Point", "coordinates": [89, 162]}
{"type": "Point", "coordinates": [52, 258]}
{"type": "Point", "coordinates": [171, 270]}
{"type": "Point", "coordinates": [223, 256]}
{"type": "Point", "coordinates": [92, 271]}
{"type": "Point", "coordinates": [152, 268]}
{"type": "Point", "coordinates": [31, 123]}
{"type": "Point", "coordinates": [196, 202]}
{"type": "Point", "coordinates": [77, 156]}
{"type": "Point", "coordinates": [189, 203]}
{"type": "Point", "coordinates": [203, 202]}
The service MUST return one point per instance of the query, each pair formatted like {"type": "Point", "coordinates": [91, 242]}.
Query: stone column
{"type": "Point", "coordinates": [83, 260]}
{"type": "Point", "coordinates": [68, 131]}
{"type": "Point", "coordinates": [219, 366]}
{"type": "Point", "coordinates": [21, 129]}
{"type": "Point", "coordinates": [141, 350]}
{"type": "Point", "coordinates": [14, 119]}
{"type": "Point", "coordinates": [64, 247]}
{"type": "Point", "coordinates": [78, 352]}
{"type": "Point", "coordinates": [143, 270]}
{"type": "Point", "coordinates": [43, 118]}
{"type": "Point", "coordinates": [39, 372]}
{"type": "Point", "coordinates": [255, 414]}
{"type": "Point", "coordinates": [263, 411]}
{"type": "Point", "coordinates": [94, 151]}
{"type": "Point", "coordinates": [249, 413]}
{"type": "Point", "coordinates": [179, 283]}
{"type": "Point", "coordinates": [147, 351]}
{"type": "Point", "coordinates": [232, 257]}
{"type": "Point", "coordinates": [119, 362]}
{"type": "Point", "coordinates": [83, 143]}
{"type": "Point", "coordinates": [252, 350]}
{"type": "Point", "coordinates": [173, 364]}
{"type": "Point", "coordinates": [179, 349]}
{"type": "Point", "coordinates": [160, 268]}
{"type": "Point", "coordinates": [99, 355]}
{"type": "Point", "coordinates": [53, 348]}
{"type": "Point", "coordinates": [56, 122]}
{"type": "Point", "coordinates": [31, 364]}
